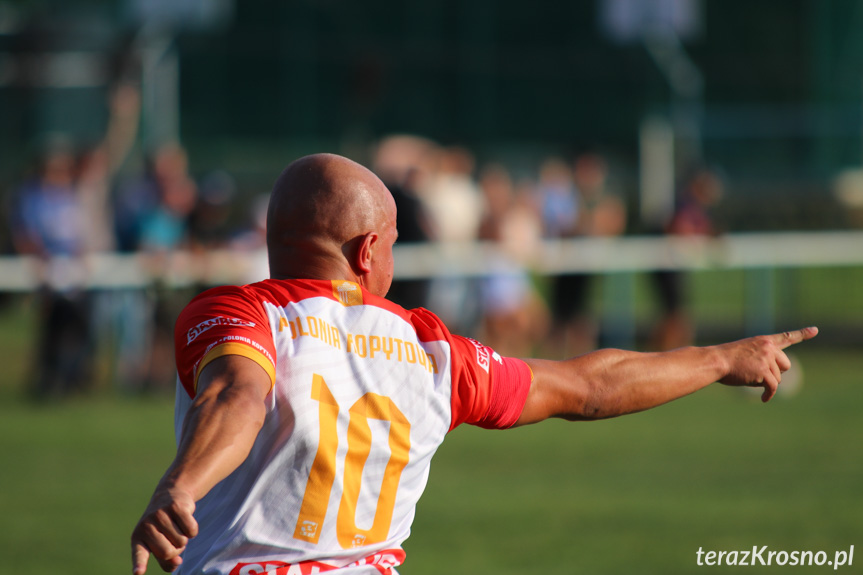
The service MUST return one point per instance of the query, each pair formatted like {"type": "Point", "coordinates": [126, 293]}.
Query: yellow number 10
{"type": "Point", "coordinates": [323, 473]}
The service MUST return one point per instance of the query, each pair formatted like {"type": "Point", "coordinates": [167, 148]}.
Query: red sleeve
{"type": "Point", "coordinates": [487, 390]}
{"type": "Point", "coordinates": [222, 321]}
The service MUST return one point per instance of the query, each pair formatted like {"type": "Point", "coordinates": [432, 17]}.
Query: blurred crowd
{"type": "Point", "coordinates": [443, 196]}
{"type": "Point", "coordinates": [78, 202]}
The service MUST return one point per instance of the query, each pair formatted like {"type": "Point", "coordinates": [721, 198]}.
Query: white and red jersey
{"type": "Point", "coordinates": [363, 394]}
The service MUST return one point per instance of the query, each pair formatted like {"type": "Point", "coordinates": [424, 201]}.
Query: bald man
{"type": "Point", "coordinates": [309, 407]}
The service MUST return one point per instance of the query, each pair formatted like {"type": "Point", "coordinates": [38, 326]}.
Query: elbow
{"type": "Point", "coordinates": [599, 382]}
{"type": "Point", "coordinates": [595, 405]}
{"type": "Point", "coordinates": [586, 400]}
{"type": "Point", "coordinates": [591, 411]}
{"type": "Point", "coordinates": [579, 389]}
{"type": "Point", "coordinates": [246, 406]}
{"type": "Point", "coordinates": [236, 404]}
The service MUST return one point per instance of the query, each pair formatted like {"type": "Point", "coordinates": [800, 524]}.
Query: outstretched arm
{"type": "Point", "coordinates": [218, 433]}
{"type": "Point", "coordinates": [612, 382]}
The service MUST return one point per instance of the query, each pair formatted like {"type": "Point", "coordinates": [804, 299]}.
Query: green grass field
{"type": "Point", "coordinates": [642, 493]}
{"type": "Point", "coordinates": [639, 494]}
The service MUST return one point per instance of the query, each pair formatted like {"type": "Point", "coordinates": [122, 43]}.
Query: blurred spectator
{"type": "Point", "coordinates": [558, 198]}
{"type": "Point", "coordinates": [48, 219]}
{"type": "Point", "coordinates": [62, 216]}
{"type": "Point", "coordinates": [455, 206]}
{"type": "Point", "coordinates": [602, 212]}
{"type": "Point", "coordinates": [252, 241]}
{"type": "Point", "coordinates": [94, 187]}
{"type": "Point", "coordinates": [513, 316]}
{"type": "Point", "coordinates": [848, 189]}
{"type": "Point", "coordinates": [164, 227]}
{"type": "Point", "coordinates": [400, 163]}
{"type": "Point", "coordinates": [153, 210]}
{"type": "Point", "coordinates": [99, 165]}
{"type": "Point", "coordinates": [512, 216]}
{"type": "Point", "coordinates": [48, 222]}
{"type": "Point", "coordinates": [691, 218]}
{"type": "Point", "coordinates": [453, 200]}
{"type": "Point", "coordinates": [561, 213]}
{"type": "Point", "coordinates": [153, 215]}
{"type": "Point", "coordinates": [577, 203]}
{"type": "Point", "coordinates": [210, 220]}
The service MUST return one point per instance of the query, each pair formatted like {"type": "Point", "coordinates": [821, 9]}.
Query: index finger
{"type": "Point", "coordinates": [140, 558]}
{"type": "Point", "coordinates": [789, 338]}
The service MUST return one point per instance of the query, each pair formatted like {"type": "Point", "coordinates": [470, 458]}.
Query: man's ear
{"type": "Point", "coordinates": [365, 252]}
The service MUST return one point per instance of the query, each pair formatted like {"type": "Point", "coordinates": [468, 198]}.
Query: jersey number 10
{"type": "Point", "coordinates": [323, 473]}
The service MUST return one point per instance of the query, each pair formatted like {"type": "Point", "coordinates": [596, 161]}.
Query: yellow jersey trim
{"type": "Point", "coordinates": [235, 348]}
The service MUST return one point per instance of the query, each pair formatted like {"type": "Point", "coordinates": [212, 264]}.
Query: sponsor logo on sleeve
{"type": "Point", "coordinates": [482, 354]}
{"type": "Point", "coordinates": [205, 325]}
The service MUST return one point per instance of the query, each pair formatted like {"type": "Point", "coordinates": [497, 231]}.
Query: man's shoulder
{"type": "Point", "coordinates": [223, 293]}
{"type": "Point", "coordinates": [266, 290]}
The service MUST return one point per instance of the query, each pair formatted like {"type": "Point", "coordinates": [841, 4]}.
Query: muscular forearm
{"type": "Point", "coordinates": [641, 381]}
{"type": "Point", "coordinates": [613, 382]}
{"type": "Point", "coordinates": [218, 434]}
{"type": "Point", "coordinates": [624, 382]}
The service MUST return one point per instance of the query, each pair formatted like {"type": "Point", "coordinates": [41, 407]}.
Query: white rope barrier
{"type": "Point", "coordinates": [416, 261]}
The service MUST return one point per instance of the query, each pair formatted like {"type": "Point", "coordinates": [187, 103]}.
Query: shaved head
{"type": "Point", "coordinates": [331, 218]}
